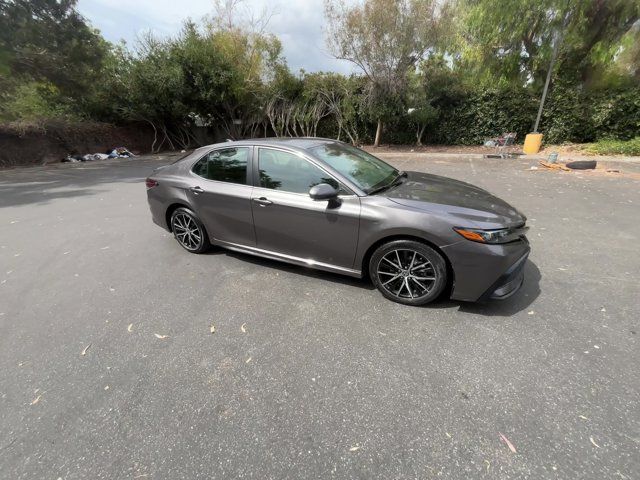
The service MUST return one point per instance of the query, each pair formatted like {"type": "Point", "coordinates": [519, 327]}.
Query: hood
{"type": "Point", "coordinates": [442, 195]}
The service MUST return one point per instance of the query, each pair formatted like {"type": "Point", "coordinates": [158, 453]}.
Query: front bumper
{"type": "Point", "coordinates": [509, 283]}
{"type": "Point", "coordinates": [483, 271]}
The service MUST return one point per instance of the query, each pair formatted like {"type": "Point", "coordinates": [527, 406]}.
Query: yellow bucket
{"type": "Point", "coordinates": [532, 143]}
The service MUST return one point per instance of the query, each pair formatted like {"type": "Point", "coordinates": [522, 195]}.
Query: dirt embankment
{"type": "Point", "coordinates": [38, 145]}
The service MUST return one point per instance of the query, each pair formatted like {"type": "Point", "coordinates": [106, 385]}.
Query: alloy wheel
{"type": "Point", "coordinates": [406, 274]}
{"type": "Point", "coordinates": [187, 231]}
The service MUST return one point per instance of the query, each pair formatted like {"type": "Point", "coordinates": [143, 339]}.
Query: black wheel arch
{"type": "Point", "coordinates": [374, 246]}
{"type": "Point", "coordinates": [172, 208]}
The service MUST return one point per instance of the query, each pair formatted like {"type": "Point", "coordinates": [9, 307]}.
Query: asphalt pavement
{"type": "Point", "coordinates": [109, 368]}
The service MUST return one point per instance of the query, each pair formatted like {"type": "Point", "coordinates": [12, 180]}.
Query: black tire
{"type": "Point", "coordinates": [582, 165]}
{"type": "Point", "coordinates": [189, 231]}
{"type": "Point", "coordinates": [421, 278]}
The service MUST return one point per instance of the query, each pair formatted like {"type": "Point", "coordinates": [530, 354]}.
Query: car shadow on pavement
{"type": "Point", "coordinates": [519, 301]}
{"type": "Point", "coordinates": [295, 269]}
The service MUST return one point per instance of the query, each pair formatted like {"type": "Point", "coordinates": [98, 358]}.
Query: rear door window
{"type": "Point", "coordinates": [224, 165]}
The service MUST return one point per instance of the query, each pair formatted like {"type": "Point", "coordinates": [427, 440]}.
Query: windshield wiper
{"type": "Point", "coordinates": [396, 181]}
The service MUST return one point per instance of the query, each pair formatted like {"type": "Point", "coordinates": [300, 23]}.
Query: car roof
{"type": "Point", "coordinates": [295, 142]}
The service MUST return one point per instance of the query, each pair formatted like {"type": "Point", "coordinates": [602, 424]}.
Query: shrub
{"type": "Point", "coordinates": [615, 147]}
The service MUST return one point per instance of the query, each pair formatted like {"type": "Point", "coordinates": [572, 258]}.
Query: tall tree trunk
{"type": "Point", "coordinates": [376, 143]}
{"type": "Point", "coordinates": [420, 134]}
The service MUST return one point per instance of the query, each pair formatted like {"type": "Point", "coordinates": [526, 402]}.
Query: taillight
{"type": "Point", "coordinates": [151, 183]}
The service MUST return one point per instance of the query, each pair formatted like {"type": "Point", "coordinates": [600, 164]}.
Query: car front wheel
{"type": "Point", "coordinates": [189, 231]}
{"type": "Point", "coordinates": [408, 272]}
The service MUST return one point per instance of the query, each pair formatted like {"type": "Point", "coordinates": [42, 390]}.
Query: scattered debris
{"type": "Point", "coordinates": [117, 152]}
{"type": "Point", "coordinates": [583, 417]}
{"type": "Point", "coordinates": [354, 449]}
{"type": "Point", "coordinates": [594, 442]}
{"type": "Point", "coordinates": [554, 166]}
{"type": "Point", "coordinates": [161, 337]}
{"type": "Point", "coordinates": [248, 360]}
{"type": "Point", "coordinates": [84, 351]}
{"type": "Point", "coordinates": [37, 399]}
{"type": "Point", "coordinates": [212, 329]}
{"type": "Point", "coordinates": [530, 312]}
{"type": "Point", "coordinates": [243, 328]}
{"type": "Point", "coordinates": [533, 168]}
{"type": "Point", "coordinates": [130, 328]}
{"type": "Point", "coordinates": [509, 444]}
{"type": "Point", "coordinates": [106, 387]}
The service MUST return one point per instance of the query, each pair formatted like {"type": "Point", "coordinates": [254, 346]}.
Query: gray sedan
{"type": "Point", "coordinates": [327, 205]}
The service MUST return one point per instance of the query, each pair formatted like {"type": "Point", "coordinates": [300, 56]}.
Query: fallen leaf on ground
{"type": "Point", "coordinates": [84, 351]}
{"type": "Point", "coordinates": [243, 328]}
{"type": "Point", "coordinates": [161, 337]}
{"type": "Point", "coordinates": [594, 442]}
{"type": "Point", "coordinates": [354, 449]}
{"type": "Point", "coordinates": [509, 444]}
{"type": "Point", "coordinates": [212, 329]}
{"type": "Point", "coordinates": [36, 400]}
{"type": "Point", "coordinates": [130, 328]}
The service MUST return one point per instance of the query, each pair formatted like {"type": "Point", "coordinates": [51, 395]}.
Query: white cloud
{"type": "Point", "coordinates": [298, 23]}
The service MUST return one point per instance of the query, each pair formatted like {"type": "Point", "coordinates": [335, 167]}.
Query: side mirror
{"type": "Point", "coordinates": [323, 191]}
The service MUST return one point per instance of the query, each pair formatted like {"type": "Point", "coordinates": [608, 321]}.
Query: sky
{"type": "Point", "coordinates": [298, 23]}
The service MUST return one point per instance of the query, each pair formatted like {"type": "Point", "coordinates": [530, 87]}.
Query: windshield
{"type": "Point", "coordinates": [366, 171]}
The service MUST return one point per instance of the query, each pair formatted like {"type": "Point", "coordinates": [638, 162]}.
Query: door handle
{"type": "Point", "coordinates": [196, 190]}
{"type": "Point", "coordinates": [262, 201]}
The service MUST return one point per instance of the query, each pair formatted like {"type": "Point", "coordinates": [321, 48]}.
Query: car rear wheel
{"type": "Point", "coordinates": [408, 272]}
{"type": "Point", "coordinates": [189, 231]}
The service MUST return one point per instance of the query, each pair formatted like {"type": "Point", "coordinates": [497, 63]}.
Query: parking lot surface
{"type": "Point", "coordinates": [109, 368]}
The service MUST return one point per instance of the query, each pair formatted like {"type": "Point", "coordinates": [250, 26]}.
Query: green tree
{"type": "Point", "coordinates": [385, 39]}
{"type": "Point", "coordinates": [49, 41]}
{"type": "Point", "coordinates": [512, 40]}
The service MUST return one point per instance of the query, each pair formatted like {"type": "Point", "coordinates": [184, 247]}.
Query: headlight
{"type": "Point", "coordinates": [503, 235]}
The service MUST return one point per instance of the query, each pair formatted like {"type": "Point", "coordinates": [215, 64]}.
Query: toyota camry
{"type": "Point", "coordinates": [324, 204]}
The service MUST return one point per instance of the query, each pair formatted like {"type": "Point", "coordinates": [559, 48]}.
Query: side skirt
{"type": "Point", "coordinates": [303, 262]}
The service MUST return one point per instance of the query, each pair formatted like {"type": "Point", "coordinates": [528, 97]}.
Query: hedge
{"type": "Point", "coordinates": [570, 115]}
